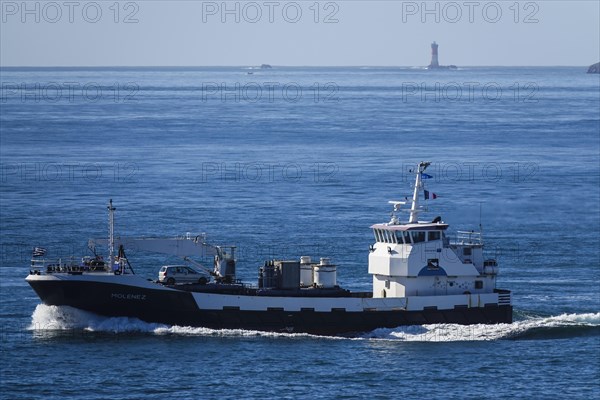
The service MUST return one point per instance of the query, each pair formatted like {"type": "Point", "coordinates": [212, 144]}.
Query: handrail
{"type": "Point", "coordinates": [467, 237]}
{"type": "Point", "coordinates": [72, 261]}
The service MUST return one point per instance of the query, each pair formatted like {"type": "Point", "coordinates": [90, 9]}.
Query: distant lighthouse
{"type": "Point", "coordinates": [435, 64]}
{"type": "Point", "coordinates": [434, 56]}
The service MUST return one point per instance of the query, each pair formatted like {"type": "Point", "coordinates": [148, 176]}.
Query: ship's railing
{"type": "Point", "coordinates": [42, 263]}
{"type": "Point", "coordinates": [504, 297]}
{"type": "Point", "coordinates": [69, 264]}
{"type": "Point", "coordinates": [467, 238]}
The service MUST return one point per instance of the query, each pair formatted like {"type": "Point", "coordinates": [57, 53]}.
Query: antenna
{"type": "Point", "coordinates": [480, 226]}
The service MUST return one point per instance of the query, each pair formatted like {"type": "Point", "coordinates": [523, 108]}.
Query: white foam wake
{"type": "Point", "coordinates": [53, 318]}
{"type": "Point", "coordinates": [478, 332]}
{"type": "Point", "coordinates": [65, 318]}
{"type": "Point", "coordinates": [61, 318]}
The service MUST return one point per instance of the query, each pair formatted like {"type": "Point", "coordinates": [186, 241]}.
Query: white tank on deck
{"type": "Point", "coordinates": [490, 267]}
{"type": "Point", "coordinates": [325, 274]}
{"type": "Point", "coordinates": [306, 272]}
{"type": "Point", "coordinates": [490, 270]}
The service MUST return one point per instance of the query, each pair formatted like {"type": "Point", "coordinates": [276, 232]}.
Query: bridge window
{"type": "Point", "coordinates": [406, 237]}
{"type": "Point", "coordinates": [435, 235]}
{"type": "Point", "coordinates": [384, 235]}
{"type": "Point", "coordinates": [467, 251]}
{"type": "Point", "coordinates": [399, 236]}
{"type": "Point", "coordinates": [388, 237]}
{"type": "Point", "coordinates": [418, 237]}
{"type": "Point", "coordinates": [393, 236]}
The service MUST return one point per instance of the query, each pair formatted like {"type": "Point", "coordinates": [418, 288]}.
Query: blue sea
{"type": "Point", "coordinates": [286, 162]}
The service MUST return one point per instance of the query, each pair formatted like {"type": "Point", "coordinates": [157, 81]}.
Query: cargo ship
{"type": "Point", "coordinates": [421, 275]}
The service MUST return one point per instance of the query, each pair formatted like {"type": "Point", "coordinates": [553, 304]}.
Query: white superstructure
{"type": "Point", "coordinates": [417, 258]}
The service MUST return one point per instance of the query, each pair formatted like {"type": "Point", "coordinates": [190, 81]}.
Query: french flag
{"type": "Point", "coordinates": [429, 195]}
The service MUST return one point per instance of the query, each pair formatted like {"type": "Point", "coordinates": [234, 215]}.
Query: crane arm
{"type": "Point", "coordinates": [178, 246]}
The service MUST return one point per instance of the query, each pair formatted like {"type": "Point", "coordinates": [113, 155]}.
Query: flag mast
{"type": "Point", "coordinates": [415, 200]}
{"type": "Point", "coordinates": [111, 235]}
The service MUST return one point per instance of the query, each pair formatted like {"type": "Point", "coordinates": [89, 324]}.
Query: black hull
{"type": "Point", "coordinates": [179, 308]}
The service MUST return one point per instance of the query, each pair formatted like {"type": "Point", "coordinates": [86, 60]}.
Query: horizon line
{"type": "Point", "coordinates": [288, 66]}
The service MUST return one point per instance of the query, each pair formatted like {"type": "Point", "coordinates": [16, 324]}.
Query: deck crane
{"type": "Point", "coordinates": [185, 247]}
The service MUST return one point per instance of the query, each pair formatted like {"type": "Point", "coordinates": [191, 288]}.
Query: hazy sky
{"type": "Point", "coordinates": [336, 33]}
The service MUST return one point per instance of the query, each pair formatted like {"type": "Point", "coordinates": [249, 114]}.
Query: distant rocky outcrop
{"type": "Point", "coordinates": [442, 67]}
{"type": "Point", "coordinates": [594, 69]}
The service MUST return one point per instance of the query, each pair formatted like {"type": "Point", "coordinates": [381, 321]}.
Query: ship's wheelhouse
{"type": "Point", "coordinates": [401, 234]}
